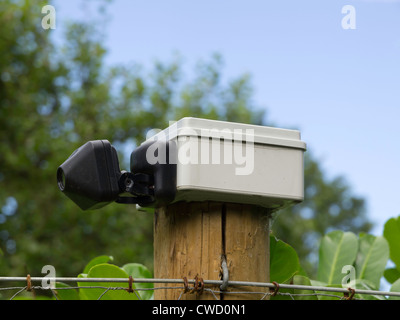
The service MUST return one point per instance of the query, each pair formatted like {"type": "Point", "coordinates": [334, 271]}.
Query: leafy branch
{"type": "Point", "coordinates": [345, 260]}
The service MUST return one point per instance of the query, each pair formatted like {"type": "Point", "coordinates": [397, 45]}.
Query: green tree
{"type": "Point", "coordinates": [328, 204]}
{"type": "Point", "coordinates": [54, 98]}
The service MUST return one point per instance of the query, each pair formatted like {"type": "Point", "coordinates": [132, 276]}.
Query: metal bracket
{"type": "Point", "coordinates": [139, 185]}
{"type": "Point", "coordinates": [162, 171]}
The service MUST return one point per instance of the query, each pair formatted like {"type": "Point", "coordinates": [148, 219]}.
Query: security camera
{"type": "Point", "coordinates": [91, 178]}
{"type": "Point", "coordinates": [192, 160]}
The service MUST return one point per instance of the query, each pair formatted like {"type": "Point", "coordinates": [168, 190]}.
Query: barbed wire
{"type": "Point", "coordinates": [273, 288]}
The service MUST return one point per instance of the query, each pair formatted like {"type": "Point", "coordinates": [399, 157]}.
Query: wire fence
{"type": "Point", "coordinates": [197, 286]}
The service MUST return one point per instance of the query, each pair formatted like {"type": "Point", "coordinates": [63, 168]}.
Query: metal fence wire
{"type": "Point", "coordinates": [197, 286]}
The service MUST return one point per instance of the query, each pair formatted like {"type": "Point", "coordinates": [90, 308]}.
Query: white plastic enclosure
{"type": "Point", "coordinates": [234, 162]}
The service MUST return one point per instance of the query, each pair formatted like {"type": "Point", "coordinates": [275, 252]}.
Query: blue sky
{"type": "Point", "coordinates": [339, 87]}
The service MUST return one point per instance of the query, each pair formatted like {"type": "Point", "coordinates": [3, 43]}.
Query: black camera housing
{"type": "Point", "coordinates": [91, 177]}
{"type": "Point", "coordinates": [164, 173]}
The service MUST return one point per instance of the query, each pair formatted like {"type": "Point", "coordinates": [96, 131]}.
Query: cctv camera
{"type": "Point", "coordinates": [91, 178]}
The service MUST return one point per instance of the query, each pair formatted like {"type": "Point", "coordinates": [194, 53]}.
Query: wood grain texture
{"type": "Point", "coordinates": [190, 239]}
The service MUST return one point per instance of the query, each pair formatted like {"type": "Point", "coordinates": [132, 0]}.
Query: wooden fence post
{"type": "Point", "coordinates": [190, 239]}
{"type": "Point", "coordinates": [221, 207]}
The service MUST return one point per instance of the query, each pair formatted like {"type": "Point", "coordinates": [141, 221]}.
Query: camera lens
{"type": "Point", "coordinates": [61, 179]}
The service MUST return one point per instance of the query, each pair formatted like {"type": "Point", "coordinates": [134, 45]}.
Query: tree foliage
{"type": "Point", "coordinates": [54, 98]}
{"type": "Point", "coordinates": [328, 204]}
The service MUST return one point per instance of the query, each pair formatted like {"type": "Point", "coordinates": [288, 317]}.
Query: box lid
{"type": "Point", "coordinates": [231, 130]}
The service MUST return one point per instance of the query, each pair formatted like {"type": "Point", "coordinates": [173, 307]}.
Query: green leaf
{"type": "Point", "coordinates": [391, 274]}
{"type": "Point", "coordinates": [304, 281]}
{"type": "Point", "coordinates": [97, 260]}
{"type": "Point", "coordinates": [137, 270]}
{"type": "Point", "coordinates": [326, 295]}
{"type": "Point", "coordinates": [365, 284]}
{"type": "Point", "coordinates": [81, 292]}
{"type": "Point", "coordinates": [337, 250]}
{"type": "Point", "coordinates": [395, 288]}
{"type": "Point", "coordinates": [317, 283]}
{"type": "Point", "coordinates": [66, 294]}
{"type": "Point", "coordinates": [284, 262]}
{"type": "Point", "coordinates": [31, 297]}
{"type": "Point", "coordinates": [330, 295]}
{"type": "Point", "coordinates": [372, 257]}
{"type": "Point", "coordinates": [391, 232]}
{"type": "Point", "coordinates": [106, 271]}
